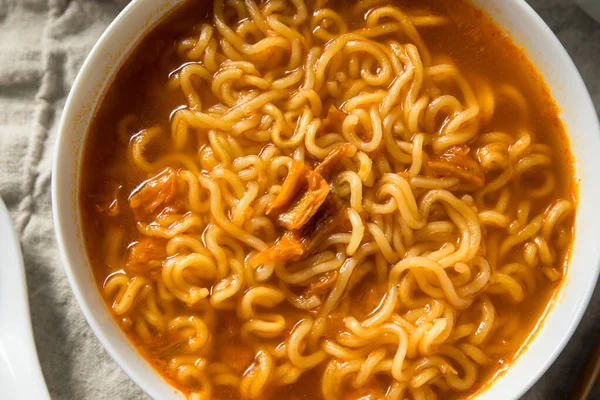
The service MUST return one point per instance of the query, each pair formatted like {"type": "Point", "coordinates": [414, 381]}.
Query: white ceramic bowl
{"type": "Point", "coordinates": [527, 30]}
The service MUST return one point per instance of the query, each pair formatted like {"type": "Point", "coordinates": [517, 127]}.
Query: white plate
{"type": "Point", "coordinates": [20, 373]}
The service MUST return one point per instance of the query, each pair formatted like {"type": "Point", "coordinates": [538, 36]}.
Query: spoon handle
{"type": "Point", "coordinates": [20, 374]}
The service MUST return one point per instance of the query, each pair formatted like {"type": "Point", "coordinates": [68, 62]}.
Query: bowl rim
{"type": "Point", "coordinates": [583, 300]}
{"type": "Point", "coordinates": [70, 110]}
{"type": "Point", "coordinates": [128, 14]}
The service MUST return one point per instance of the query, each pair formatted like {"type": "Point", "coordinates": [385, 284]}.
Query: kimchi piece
{"type": "Point", "coordinates": [287, 247]}
{"type": "Point", "coordinates": [308, 204]}
{"type": "Point", "coordinates": [455, 162]}
{"type": "Point", "coordinates": [297, 243]}
{"type": "Point", "coordinates": [306, 207]}
{"type": "Point", "coordinates": [153, 193]}
{"type": "Point", "coordinates": [146, 256]}
{"type": "Point", "coordinates": [295, 180]}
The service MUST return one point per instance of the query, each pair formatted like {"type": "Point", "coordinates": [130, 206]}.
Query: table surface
{"type": "Point", "coordinates": [42, 45]}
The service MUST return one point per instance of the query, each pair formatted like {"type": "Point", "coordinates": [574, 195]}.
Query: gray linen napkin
{"type": "Point", "coordinates": [42, 46]}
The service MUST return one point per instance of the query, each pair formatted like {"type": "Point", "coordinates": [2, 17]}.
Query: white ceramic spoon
{"type": "Point", "coordinates": [20, 373]}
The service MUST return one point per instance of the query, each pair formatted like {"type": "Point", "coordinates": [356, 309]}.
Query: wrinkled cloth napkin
{"type": "Point", "coordinates": [42, 46]}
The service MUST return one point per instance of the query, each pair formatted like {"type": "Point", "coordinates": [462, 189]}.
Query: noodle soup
{"type": "Point", "coordinates": [328, 200]}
